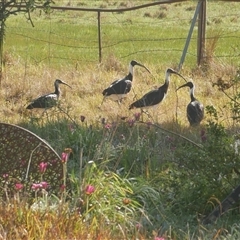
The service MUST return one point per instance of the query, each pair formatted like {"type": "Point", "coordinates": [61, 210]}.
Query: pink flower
{"type": "Point", "coordinates": [41, 185]}
{"type": "Point", "coordinates": [5, 175]}
{"type": "Point", "coordinates": [65, 154]}
{"type": "Point", "coordinates": [89, 189]}
{"type": "Point", "coordinates": [36, 186]}
{"type": "Point", "coordinates": [138, 226]}
{"type": "Point", "coordinates": [19, 186]}
{"type": "Point", "coordinates": [62, 187]}
{"type": "Point", "coordinates": [65, 157]}
{"type": "Point", "coordinates": [131, 122]}
{"type": "Point", "coordinates": [107, 126]}
{"type": "Point", "coordinates": [44, 185]}
{"type": "Point", "coordinates": [137, 116]}
{"type": "Point", "coordinates": [42, 167]}
{"type": "Point", "coordinates": [159, 238]}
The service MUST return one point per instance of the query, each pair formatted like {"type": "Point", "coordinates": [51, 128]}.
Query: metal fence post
{"type": "Point", "coordinates": [189, 36]}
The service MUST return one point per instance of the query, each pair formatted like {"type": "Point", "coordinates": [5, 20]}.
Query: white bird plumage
{"type": "Point", "coordinates": [121, 87]}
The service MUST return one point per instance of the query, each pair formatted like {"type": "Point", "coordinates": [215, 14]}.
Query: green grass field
{"type": "Point", "coordinates": [128, 178]}
{"type": "Point", "coordinates": [156, 34]}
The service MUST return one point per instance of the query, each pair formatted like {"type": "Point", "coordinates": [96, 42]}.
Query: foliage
{"type": "Point", "coordinates": [122, 175]}
{"type": "Point", "coordinates": [9, 8]}
{"type": "Point", "coordinates": [124, 178]}
{"type": "Point", "coordinates": [111, 205]}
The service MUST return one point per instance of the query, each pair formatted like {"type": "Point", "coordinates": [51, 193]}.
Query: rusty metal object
{"type": "Point", "coordinates": [21, 153]}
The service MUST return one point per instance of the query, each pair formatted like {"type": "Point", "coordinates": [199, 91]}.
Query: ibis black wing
{"type": "Point", "coordinates": [122, 86]}
{"type": "Point", "coordinates": [45, 101]}
{"type": "Point", "coordinates": [195, 112]}
{"type": "Point", "coordinates": [149, 99]}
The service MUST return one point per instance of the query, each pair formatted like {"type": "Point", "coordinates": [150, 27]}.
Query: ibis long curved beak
{"type": "Point", "coordinates": [184, 85]}
{"type": "Point", "coordinates": [65, 84]}
{"type": "Point", "coordinates": [181, 76]}
{"type": "Point", "coordinates": [139, 64]}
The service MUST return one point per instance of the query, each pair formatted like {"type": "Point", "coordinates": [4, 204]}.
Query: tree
{"type": "Point", "coordinates": [13, 7]}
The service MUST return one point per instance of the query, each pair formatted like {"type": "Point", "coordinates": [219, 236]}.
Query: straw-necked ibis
{"type": "Point", "coordinates": [119, 88]}
{"type": "Point", "coordinates": [156, 96]}
{"type": "Point", "coordinates": [49, 100]}
{"type": "Point", "coordinates": [195, 109]}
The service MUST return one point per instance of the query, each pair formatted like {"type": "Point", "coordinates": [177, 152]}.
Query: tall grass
{"type": "Point", "coordinates": [147, 181]}
{"type": "Point", "coordinates": [126, 177]}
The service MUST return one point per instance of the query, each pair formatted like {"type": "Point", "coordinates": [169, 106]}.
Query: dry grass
{"type": "Point", "coordinates": [28, 223]}
{"type": "Point", "coordinates": [21, 83]}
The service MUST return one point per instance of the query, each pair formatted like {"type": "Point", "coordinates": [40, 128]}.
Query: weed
{"type": "Point", "coordinates": [128, 176]}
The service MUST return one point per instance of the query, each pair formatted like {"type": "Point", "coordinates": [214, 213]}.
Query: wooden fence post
{"type": "Point", "coordinates": [201, 32]}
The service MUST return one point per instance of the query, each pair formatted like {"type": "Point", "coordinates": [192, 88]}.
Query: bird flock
{"type": "Point", "coordinates": [119, 89]}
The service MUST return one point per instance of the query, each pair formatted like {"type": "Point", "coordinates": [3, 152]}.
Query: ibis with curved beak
{"type": "Point", "coordinates": [49, 100]}
{"type": "Point", "coordinates": [121, 87]}
{"type": "Point", "coordinates": [195, 109]}
{"type": "Point", "coordinates": [156, 96]}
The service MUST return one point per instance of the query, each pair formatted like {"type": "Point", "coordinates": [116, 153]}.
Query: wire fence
{"type": "Point", "coordinates": [54, 41]}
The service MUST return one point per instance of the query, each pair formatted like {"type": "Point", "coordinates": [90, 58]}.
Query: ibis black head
{"type": "Point", "coordinates": [58, 81]}
{"type": "Point", "coordinates": [134, 63]}
{"type": "Point", "coordinates": [188, 84]}
{"type": "Point", "coordinates": [171, 71]}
